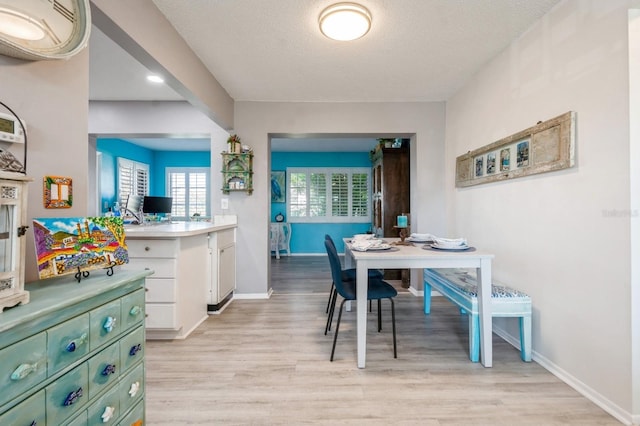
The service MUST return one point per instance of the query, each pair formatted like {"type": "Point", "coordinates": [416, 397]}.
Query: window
{"type": "Point", "coordinates": [328, 195]}
{"type": "Point", "coordinates": [133, 178]}
{"type": "Point", "coordinates": [189, 188]}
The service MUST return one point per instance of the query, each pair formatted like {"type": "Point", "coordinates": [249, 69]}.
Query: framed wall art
{"type": "Point", "coordinates": [57, 192]}
{"type": "Point", "coordinates": [545, 147]}
{"type": "Point", "coordinates": [278, 188]}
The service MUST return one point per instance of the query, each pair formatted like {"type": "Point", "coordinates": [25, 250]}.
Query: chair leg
{"type": "Point", "coordinates": [393, 324]}
{"type": "Point", "coordinates": [335, 335]}
{"type": "Point", "coordinates": [330, 295]}
{"type": "Point", "coordinates": [379, 315]}
{"type": "Point", "coordinates": [332, 309]}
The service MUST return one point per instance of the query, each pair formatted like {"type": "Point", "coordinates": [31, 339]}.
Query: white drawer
{"type": "Point", "coordinates": [152, 248]}
{"type": "Point", "coordinates": [226, 237]}
{"type": "Point", "coordinates": [160, 290]}
{"type": "Point", "coordinates": [161, 316]}
{"type": "Point", "coordinates": [163, 268]}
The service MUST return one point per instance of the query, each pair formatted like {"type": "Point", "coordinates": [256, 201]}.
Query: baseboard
{"type": "Point", "coordinates": [249, 296]}
{"type": "Point", "coordinates": [601, 401]}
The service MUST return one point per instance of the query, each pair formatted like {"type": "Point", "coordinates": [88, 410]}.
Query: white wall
{"type": "Point", "coordinates": [51, 96]}
{"type": "Point", "coordinates": [254, 121]}
{"type": "Point", "coordinates": [562, 237]}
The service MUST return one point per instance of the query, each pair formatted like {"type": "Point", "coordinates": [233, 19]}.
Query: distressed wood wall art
{"type": "Point", "coordinates": [545, 147]}
{"type": "Point", "coordinates": [57, 192]}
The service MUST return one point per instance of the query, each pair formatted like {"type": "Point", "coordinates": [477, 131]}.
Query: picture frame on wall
{"type": "Point", "coordinates": [278, 187]}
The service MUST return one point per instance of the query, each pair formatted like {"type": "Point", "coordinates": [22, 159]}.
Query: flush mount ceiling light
{"type": "Point", "coordinates": [345, 21]}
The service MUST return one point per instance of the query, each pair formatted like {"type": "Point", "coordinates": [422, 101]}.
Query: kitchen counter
{"type": "Point", "coordinates": [193, 266]}
{"type": "Point", "coordinates": [181, 229]}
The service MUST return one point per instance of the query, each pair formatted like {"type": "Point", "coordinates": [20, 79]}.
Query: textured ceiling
{"type": "Point", "coordinates": [272, 50]}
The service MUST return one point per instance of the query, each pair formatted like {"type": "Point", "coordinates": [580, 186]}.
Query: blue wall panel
{"type": "Point", "coordinates": [309, 237]}
{"type": "Point", "coordinates": [158, 161]}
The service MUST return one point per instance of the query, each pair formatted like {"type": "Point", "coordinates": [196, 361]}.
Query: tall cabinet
{"type": "Point", "coordinates": [391, 189]}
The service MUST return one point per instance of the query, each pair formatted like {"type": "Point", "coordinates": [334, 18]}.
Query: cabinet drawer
{"type": "Point", "coordinates": [162, 268]}
{"type": "Point", "coordinates": [106, 409]}
{"type": "Point", "coordinates": [161, 290]}
{"type": "Point", "coordinates": [131, 349]}
{"type": "Point", "coordinates": [225, 238]}
{"type": "Point", "coordinates": [135, 416]}
{"type": "Point", "coordinates": [105, 324]}
{"type": "Point", "coordinates": [67, 395]}
{"type": "Point", "coordinates": [152, 248]}
{"type": "Point", "coordinates": [67, 343]}
{"type": "Point", "coordinates": [132, 309]}
{"type": "Point", "coordinates": [131, 388]}
{"type": "Point", "coordinates": [23, 365]}
{"type": "Point", "coordinates": [104, 369]}
{"type": "Point", "coordinates": [162, 316]}
{"type": "Point", "coordinates": [79, 420]}
{"type": "Point", "coordinates": [29, 412]}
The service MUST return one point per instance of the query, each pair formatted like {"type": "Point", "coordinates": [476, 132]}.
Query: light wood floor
{"type": "Point", "coordinates": [266, 362]}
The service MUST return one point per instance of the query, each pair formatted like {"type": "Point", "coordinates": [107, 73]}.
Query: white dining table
{"type": "Point", "coordinates": [416, 257]}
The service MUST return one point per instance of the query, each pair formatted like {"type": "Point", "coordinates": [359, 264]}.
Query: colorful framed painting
{"type": "Point", "coordinates": [70, 245]}
{"type": "Point", "coordinates": [278, 188]}
{"type": "Point", "coordinates": [57, 192]}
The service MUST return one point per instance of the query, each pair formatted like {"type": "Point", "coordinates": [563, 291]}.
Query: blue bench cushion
{"type": "Point", "coordinates": [466, 282]}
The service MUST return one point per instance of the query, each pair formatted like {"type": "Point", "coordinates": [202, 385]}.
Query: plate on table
{"type": "Point", "coordinates": [419, 240]}
{"type": "Point", "coordinates": [449, 247]}
{"type": "Point", "coordinates": [380, 247]}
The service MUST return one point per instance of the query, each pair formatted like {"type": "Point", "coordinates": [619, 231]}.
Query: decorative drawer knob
{"type": "Point", "coordinates": [23, 371]}
{"type": "Point", "coordinates": [147, 248]}
{"type": "Point", "coordinates": [135, 311]}
{"type": "Point", "coordinates": [109, 369]}
{"type": "Point", "coordinates": [73, 397]}
{"type": "Point", "coordinates": [107, 414]}
{"type": "Point", "coordinates": [75, 344]}
{"type": "Point", "coordinates": [133, 390]}
{"type": "Point", "coordinates": [135, 349]}
{"type": "Point", "coordinates": [109, 324]}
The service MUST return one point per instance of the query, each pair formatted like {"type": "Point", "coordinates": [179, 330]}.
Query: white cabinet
{"type": "Point", "coordinates": [176, 291]}
{"type": "Point", "coordinates": [223, 268]}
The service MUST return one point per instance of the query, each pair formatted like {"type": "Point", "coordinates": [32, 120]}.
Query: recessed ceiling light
{"type": "Point", "coordinates": [20, 25]}
{"type": "Point", "coordinates": [155, 78]}
{"type": "Point", "coordinates": [345, 21]}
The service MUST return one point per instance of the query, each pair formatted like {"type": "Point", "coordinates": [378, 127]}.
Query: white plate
{"type": "Point", "coordinates": [448, 247]}
{"type": "Point", "coordinates": [418, 240]}
{"type": "Point", "coordinates": [380, 247]}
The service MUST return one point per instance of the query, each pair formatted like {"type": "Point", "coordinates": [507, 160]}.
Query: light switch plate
{"type": "Point", "coordinates": [224, 202]}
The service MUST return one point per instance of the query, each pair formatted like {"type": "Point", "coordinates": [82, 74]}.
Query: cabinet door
{"type": "Point", "coordinates": [226, 271]}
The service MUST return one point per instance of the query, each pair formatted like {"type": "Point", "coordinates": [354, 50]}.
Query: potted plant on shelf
{"type": "Point", "coordinates": [234, 144]}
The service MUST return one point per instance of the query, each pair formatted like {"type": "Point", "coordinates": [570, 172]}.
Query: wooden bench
{"type": "Point", "coordinates": [459, 286]}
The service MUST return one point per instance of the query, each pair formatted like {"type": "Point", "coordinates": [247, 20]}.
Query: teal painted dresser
{"type": "Point", "coordinates": [74, 355]}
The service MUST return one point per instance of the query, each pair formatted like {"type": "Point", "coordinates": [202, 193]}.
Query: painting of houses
{"type": "Point", "coordinates": [73, 244]}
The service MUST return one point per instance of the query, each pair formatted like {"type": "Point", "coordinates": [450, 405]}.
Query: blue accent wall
{"type": "Point", "coordinates": [309, 237]}
{"type": "Point", "coordinates": [158, 161]}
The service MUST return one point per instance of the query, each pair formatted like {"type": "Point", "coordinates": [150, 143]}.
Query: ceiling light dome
{"type": "Point", "coordinates": [345, 21]}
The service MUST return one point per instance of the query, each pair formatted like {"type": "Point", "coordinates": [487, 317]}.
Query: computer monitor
{"type": "Point", "coordinates": [157, 205]}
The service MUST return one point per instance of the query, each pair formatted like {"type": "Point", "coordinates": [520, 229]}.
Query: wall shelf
{"type": "Point", "coordinates": [237, 172]}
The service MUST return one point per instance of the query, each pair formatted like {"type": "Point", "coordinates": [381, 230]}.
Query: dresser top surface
{"type": "Point", "coordinates": [51, 295]}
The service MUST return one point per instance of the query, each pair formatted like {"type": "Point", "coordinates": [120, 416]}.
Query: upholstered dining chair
{"type": "Point", "coordinates": [377, 290]}
{"type": "Point", "coordinates": [348, 275]}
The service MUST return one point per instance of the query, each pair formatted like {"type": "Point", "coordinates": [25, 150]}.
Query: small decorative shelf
{"type": "Point", "coordinates": [237, 172]}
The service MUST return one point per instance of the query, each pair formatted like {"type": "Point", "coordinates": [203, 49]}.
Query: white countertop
{"type": "Point", "coordinates": [180, 229]}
